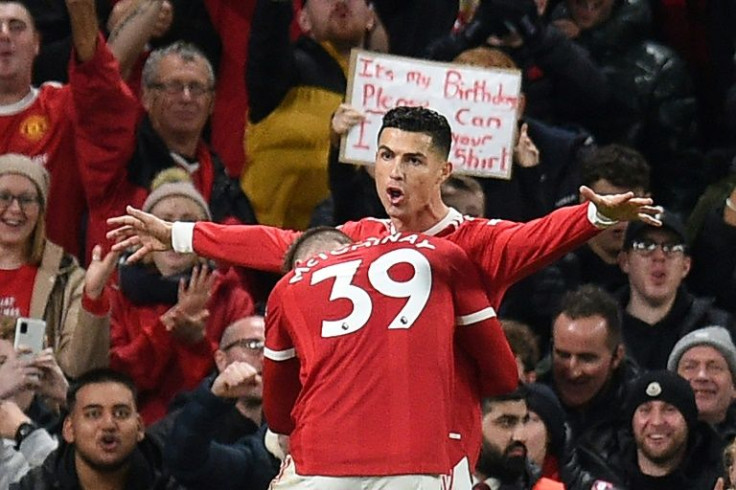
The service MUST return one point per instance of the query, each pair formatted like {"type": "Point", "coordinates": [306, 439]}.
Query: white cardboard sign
{"type": "Point", "coordinates": [479, 103]}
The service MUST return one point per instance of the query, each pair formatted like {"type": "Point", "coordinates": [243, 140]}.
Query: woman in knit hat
{"type": "Point", "coordinates": [39, 280]}
{"type": "Point", "coordinates": [170, 311]}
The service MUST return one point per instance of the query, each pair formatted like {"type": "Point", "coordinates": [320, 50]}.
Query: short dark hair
{"type": "Point", "coordinates": [620, 165]}
{"type": "Point", "coordinates": [590, 300]}
{"type": "Point", "coordinates": [98, 376]}
{"type": "Point", "coordinates": [421, 120]}
{"type": "Point", "coordinates": [523, 342]}
{"type": "Point", "coordinates": [520, 393]}
{"type": "Point", "coordinates": [311, 237]}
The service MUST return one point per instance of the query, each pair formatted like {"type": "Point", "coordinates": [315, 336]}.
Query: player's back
{"type": "Point", "coordinates": [373, 329]}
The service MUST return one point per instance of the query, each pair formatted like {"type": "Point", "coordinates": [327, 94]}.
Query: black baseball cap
{"type": "Point", "coordinates": [670, 222]}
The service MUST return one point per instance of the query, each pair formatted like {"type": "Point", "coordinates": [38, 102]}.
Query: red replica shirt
{"type": "Point", "coordinates": [371, 328]}
{"type": "Point", "coordinates": [16, 288]}
{"type": "Point", "coordinates": [40, 126]}
{"type": "Point", "coordinates": [504, 252]}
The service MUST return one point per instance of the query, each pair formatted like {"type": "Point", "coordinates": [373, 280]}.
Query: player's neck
{"type": "Point", "coordinates": [421, 221]}
{"type": "Point", "coordinates": [13, 90]}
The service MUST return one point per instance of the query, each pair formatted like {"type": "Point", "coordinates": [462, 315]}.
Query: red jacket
{"type": "Point", "coordinates": [109, 116]}
{"type": "Point", "coordinates": [161, 365]}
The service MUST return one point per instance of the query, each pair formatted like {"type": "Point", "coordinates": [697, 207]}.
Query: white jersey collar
{"type": "Point", "coordinates": [21, 105]}
{"type": "Point", "coordinates": [453, 215]}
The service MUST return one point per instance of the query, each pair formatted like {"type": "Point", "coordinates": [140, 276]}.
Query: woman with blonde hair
{"type": "Point", "coordinates": [39, 279]}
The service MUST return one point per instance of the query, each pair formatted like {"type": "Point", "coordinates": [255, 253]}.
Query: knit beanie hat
{"type": "Point", "coordinates": [665, 386]}
{"type": "Point", "coordinates": [543, 401]}
{"type": "Point", "coordinates": [13, 163]}
{"type": "Point", "coordinates": [717, 337]}
{"type": "Point", "coordinates": [175, 182]}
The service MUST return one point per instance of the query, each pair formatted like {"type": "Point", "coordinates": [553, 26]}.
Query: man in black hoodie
{"type": "Point", "coordinates": [104, 444]}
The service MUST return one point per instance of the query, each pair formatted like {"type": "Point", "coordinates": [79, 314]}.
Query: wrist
{"type": "Point", "coordinates": [93, 294]}
{"type": "Point", "coordinates": [23, 430]}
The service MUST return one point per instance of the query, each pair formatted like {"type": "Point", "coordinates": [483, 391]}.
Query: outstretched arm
{"type": "Point", "coordinates": [254, 246]}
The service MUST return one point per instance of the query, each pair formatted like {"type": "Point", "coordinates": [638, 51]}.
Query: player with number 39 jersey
{"type": "Point", "coordinates": [360, 356]}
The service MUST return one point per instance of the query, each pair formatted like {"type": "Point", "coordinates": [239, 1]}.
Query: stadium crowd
{"type": "Point", "coordinates": [170, 175]}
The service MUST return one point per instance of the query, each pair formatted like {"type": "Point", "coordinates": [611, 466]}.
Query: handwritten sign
{"type": "Point", "coordinates": [479, 103]}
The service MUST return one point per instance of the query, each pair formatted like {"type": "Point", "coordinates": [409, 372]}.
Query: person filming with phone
{"type": "Point", "coordinates": [40, 281]}
{"type": "Point", "coordinates": [32, 393]}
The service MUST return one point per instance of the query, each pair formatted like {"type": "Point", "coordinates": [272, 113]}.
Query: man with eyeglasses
{"type": "Point", "coordinates": [223, 416]}
{"type": "Point", "coordinates": [125, 142]}
{"type": "Point", "coordinates": [241, 342]}
{"type": "Point", "coordinates": [658, 309]}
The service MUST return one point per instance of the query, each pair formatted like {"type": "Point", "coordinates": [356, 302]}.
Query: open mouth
{"type": "Point", "coordinates": [109, 443]}
{"type": "Point", "coordinates": [658, 439]}
{"type": "Point", "coordinates": [659, 276]}
{"type": "Point", "coordinates": [13, 223]}
{"type": "Point", "coordinates": [395, 195]}
{"type": "Point", "coordinates": [704, 393]}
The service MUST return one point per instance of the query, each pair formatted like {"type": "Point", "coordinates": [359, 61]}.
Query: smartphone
{"type": "Point", "coordinates": [30, 332]}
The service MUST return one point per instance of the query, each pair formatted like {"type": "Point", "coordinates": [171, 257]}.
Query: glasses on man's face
{"type": "Point", "coordinates": [25, 201]}
{"type": "Point", "coordinates": [174, 87]}
{"type": "Point", "coordinates": [647, 248]}
{"type": "Point", "coordinates": [255, 345]}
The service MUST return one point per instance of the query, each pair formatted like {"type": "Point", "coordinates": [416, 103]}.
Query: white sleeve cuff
{"type": "Point", "coordinates": [271, 441]}
{"type": "Point", "coordinates": [182, 236]}
{"type": "Point", "coordinates": [597, 219]}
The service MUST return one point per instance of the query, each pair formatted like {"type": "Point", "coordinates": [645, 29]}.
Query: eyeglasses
{"type": "Point", "coordinates": [647, 248]}
{"type": "Point", "coordinates": [25, 201]}
{"type": "Point", "coordinates": [256, 345]}
{"type": "Point", "coordinates": [175, 88]}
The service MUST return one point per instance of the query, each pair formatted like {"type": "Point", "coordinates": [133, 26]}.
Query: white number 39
{"type": "Point", "coordinates": [416, 289]}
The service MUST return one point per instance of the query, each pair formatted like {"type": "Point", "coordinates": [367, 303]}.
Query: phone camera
{"type": "Point", "coordinates": [23, 327]}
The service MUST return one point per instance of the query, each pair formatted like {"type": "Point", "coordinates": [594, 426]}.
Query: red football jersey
{"type": "Point", "coordinates": [504, 252]}
{"type": "Point", "coordinates": [372, 328]}
{"type": "Point", "coordinates": [40, 126]}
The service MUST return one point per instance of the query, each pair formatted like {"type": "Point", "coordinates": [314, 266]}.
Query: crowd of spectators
{"type": "Point", "coordinates": [232, 112]}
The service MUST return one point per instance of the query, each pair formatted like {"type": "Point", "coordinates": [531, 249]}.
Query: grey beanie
{"type": "Point", "coordinates": [183, 189]}
{"type": "Point", "coordinates": [14, 163]}
{"type": "Point", "coordinates": [717, 337]}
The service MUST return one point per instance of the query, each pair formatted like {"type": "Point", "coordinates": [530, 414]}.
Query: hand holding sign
{"type": "Point", "coordinates": [480, 104]}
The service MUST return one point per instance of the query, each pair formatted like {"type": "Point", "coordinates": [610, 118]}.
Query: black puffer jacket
{"type": "Point", "coordinates": [611, 457]}
{"type": "Point", "coordinates": [59, 473]}
{"type": "Point", "coordinates": [652, 106]}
